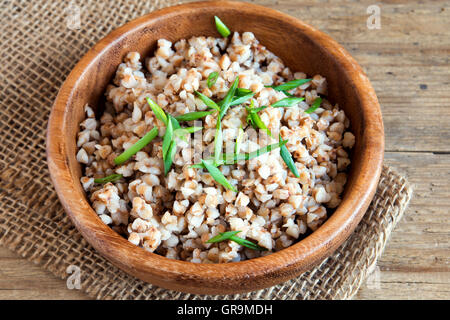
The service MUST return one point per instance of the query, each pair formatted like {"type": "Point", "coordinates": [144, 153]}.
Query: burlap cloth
{"type": "Point", "coordinates": [40, 43]}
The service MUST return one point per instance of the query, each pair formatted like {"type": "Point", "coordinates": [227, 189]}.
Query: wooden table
{"type": "Point", "coordinates": [408, 63]}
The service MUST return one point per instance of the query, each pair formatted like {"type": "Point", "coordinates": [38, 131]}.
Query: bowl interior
{"type": "Point", "coordinates": [301, 48]}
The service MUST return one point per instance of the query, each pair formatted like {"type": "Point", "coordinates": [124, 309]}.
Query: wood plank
{"type": "Point", "coordinates": [421, 241]}
{"type": "Point", "coordinates": [21, 279]}
{"type": "Point", "coordinates": [407, 285]}
{"type": "Point", "coordinates": [42, 294]}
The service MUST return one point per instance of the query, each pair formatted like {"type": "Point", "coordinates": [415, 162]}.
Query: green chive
{"type": "Point", "coordinates": [250, 121]}
{"type": "Point", "coordinates": [287, 158]}
{"type": "Point", "coordinates": [239, 138]}
{"type": "Point", "coordinates": [237, 145]}
{"type": "Point", "coordinates": [197, 166]}
{"type": "Point", "coordinates": [218, 175]}
{"type": "Point", "coordinates": [249, 115]}
{"type": "Point", "coordinates": [241, 156]}
{"type": "Point", "coordinates": [247, 243]}
{"type": "Point", "coordinates": [182, 132]}
{"type": "Point", "coordinates": [167, 140]}
{"type": "Point", "coordinates": [225, 103]}
{"type": "Point", "coordinates": [218, 141]}
{"type": "Point", "coordinates": [242, 92]}
{"type": "Point", "coordinates": [131, 151]}
{"type": "Point", "coordinates": [111, 178]}
{"type": "Point", "coordinates": [252, 109]}
{"type": "Point", "coordinates": [257, 153]}
{"type": "Point", "coordinates": [187, 130]}
{"type": "Point", "coordinates": [212, 78]}
{"type": "Point", "coordinates": [176, 126]}
{"type": "Point", "coordinates": [290, 85]}
{"type": "Point", "coordinates": [193, 115]}
{"type": "Point", "coordinates": [314, 106]}
{"type": "Point", "coordinates": [221, 27]}
{"type": "Point", "coordinates": [232, 235]}
{"type": "Point", "coordinates": [175, 123]}
{"type": "Point", "coordinates": [223, 236]}
{"type": "Point", "coordinates": [251, 155]}
{"type": "Point", "coordinates": [159, 113]}
{"type": "Point", "coordinates": [287, 102]}
{"type": "Point", "coordinates": [169, 157]}
{"type": "Point", "coordinates": [242, 99]}
{"type": "Point", "coordinates": [207, 101]}
{"type": "Point", "coordinates": [258, 109]}
{"type": "Point", "coordinates": [256, 120]}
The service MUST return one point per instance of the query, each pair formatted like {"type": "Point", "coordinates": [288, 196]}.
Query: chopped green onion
{"type": "Point", "coordinates": [175, 123]}
{"type": "Point", "coordinates": [250, 121]}
{"type": "Point", "coordinates": [221, 27]}
{"type": "Point", "coordinates": [257, 153]}
{"type": "Point", "coordinates": [252, 108]}
{"type": "Point", "coordinates": [188, 130]}
{"type": "Point", "coordinates": [241, 156]}
{"type": "Point", "coordinates": [167, 140]}
{"type": "Point", "coordinates": [314, 106]}
{"type": "Point", "coordinates": [287, 102]}
{"type": "Point", "coordinates": [131, 151]}
{"type": "Point", "coordinates": [111, 178]}
{"type": "Point", "coordinates": [197, 166]}
{"type": "Point", "coordinates": [169, 157]}
{"type": "Point", "coordinates": [225, 103]}
{"type": "Point", "coordinates": [256, 120]}
{"type": "Point", "coordinates": [193, 115]}
{"type": "Point", "coordinates": [212, 78]}
{"type": "Point", "coordinates": [232, 235]}
{"type": "Point", "coordinates": [159, 113]}
{"type": "Point", "coordinates": [182, 132]}
{"type": "Point", "coordinates": [223, 236]}
{"type": "Point", "coordinates": [242, 92]}
{"type": "Point", "coordinates": [258, 109]}
{"type": "Point", "coordinates": [247, 243]}
{"type": "Point", "coordinates": [240, 136]}
{"type": "Point", "coordinates": [240, 100]}
{"type": "Point", "coordinates": [218, 175]}
{"type": "Point", "coordinates": [249, 115]}
{"type": "Point", "coordinates": [289, 85]}
{"type": "Point", "coordinates": [207, 101]}
{"type": "Point", "coordinates": [176, 126]}
{"type": "Point", "coordinates": [218, 141]}
{"type": "Point", "coordinates": [287, 158]}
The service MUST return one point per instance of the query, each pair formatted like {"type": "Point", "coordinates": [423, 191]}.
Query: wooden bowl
{"type": "Point", "coordinates": [302, 48]}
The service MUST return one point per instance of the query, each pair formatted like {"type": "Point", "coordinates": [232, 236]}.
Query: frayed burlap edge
{"type": "Point", "coordinates": [42, 41]}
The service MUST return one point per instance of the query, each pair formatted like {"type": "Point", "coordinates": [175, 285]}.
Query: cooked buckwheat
{"type": "Point", "coordinates": [175, 215]}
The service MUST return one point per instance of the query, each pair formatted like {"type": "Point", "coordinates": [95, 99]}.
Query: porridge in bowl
{"type": "Point", "coordinates": [213, 151]}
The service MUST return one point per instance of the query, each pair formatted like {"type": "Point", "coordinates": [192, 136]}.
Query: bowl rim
{"type": "Point", "coordinates": [172, 274]}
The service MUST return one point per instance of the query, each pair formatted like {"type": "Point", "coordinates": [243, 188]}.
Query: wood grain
{"type": "Point", "coordinates": [21, 279]}
{"type": "Point", "coordinates": [411, 49]}
{"type": "Point", "coordinates": [416, 262]}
